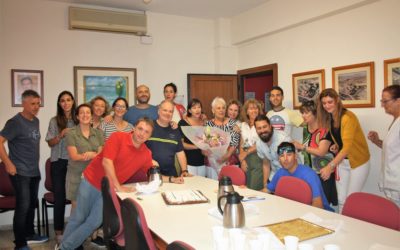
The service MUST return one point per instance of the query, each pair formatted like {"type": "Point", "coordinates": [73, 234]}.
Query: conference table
{"type": "Point", "coordinates": [193, 224]}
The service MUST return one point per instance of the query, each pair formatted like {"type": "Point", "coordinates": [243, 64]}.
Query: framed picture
{"type": "Point", "coordinates": [109, 83]}
{"type": "Point", "coordinates": [355, 84]}
{"type": "Point", "coordinates": [392, 71]}
{"type": "Point", "coordinates": [307, 86]}
{"type": "Point", "coordinates": [24, 79]}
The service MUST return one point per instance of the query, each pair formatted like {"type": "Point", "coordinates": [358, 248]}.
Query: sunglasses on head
{"type": "Point", "coordinates": [287, 149]}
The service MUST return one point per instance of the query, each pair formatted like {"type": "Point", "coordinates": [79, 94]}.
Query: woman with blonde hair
{"type": "Point", "coordinates": [352, 160]}
{"type": "Point", "coordinates": [249, 160]}
{"type": "Point", "coordinates": [100, 108]}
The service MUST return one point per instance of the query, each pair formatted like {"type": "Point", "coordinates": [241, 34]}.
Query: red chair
{"type": "Point", "coordinates": [48, 197]}
{"type": "Point", "coordinates": [139, 176]}
{"type": "Point", "coordinates": [372, 208]}
{"type": "Point", "coordinates": [113, 227]}
{"type": "Point", "coordinates": [236, 174]}
{"type": "Point", "coordinates": [7, 198]}
{"type": "Point", "coordinates": [294, 189]}
{"type": "Point", "coordinates": [137, 233]}
{"type": "Point", "coordinates": [179, 245]}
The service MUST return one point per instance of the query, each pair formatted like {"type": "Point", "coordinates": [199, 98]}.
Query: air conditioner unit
{"type": "Point", "coordinates": [105, 20]}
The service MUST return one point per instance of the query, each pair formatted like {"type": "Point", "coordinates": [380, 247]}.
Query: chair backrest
{"type": "Point", "coordinates": [137, 233]}
{"type": "Point", "coordinates": [48, 182]}
{"type": "Point", "coordinates": [139, 176]}
{"type": "Point", "coordinates": [372, 208]}
{"type": "Point", "coordinates": [236, 174]}
{"type": "Point", "coordinates": [112, 220]}
{"type": "Point", "coordinates": [294, 189]}
{"type": "Point", "coordinates": [6, 187]}
{"type": "Point", "coordinates": [179, 245]}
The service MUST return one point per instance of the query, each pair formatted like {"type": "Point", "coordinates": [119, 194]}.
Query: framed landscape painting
{"type": "Point", "coordinates": [24, 79]}
{"type": "Point", "coordinates": [355, 84]}
{"type": "Point", "coordinates": [109, 83]}
{"type": "Point", "coordinates": [392, 71]}
{"type": "Point", "coordinates": [307, 86]}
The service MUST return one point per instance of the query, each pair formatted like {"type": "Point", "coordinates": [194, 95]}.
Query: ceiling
{"type": "Point", "coordinates": [209, 9]}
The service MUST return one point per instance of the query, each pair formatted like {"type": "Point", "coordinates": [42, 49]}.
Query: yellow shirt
{"type": "Point", "coordinates": [354, 142]}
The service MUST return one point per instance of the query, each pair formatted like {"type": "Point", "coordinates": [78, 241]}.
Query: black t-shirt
{"type": "Point", "coordinates": [164, 143]}
{"type": "Point", "coordinates": [23, 138]}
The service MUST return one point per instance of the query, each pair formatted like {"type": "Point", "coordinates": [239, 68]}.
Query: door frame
{"type": "Point", "coordinates": [260, 70]}
{"type": "Point", "coordinates": [194, 74]}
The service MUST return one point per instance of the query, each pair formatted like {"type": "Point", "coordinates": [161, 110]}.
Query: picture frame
{"type": "Point", "coordinates": [108, 82]}
{"type": "Point", "coordinates": [307, 86]}
{"type": "Point", "coordinates": [355, 84]}
{"type": "Point", "coordinates": [24, 79]}
{"type": "Point", "coordinates": [391, 68]}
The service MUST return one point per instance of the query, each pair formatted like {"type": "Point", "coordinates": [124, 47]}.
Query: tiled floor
{"type": "Point", "coordinates": [7, 237]}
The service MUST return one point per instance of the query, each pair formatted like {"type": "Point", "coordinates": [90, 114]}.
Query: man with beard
{"type": "Point", "coordinates": [143, 108]}
{"type": "Point", "coordinates": [267, 146]}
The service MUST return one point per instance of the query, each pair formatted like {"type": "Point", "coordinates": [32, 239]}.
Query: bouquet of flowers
{"type": "Point", "coordinates": [211, 139]}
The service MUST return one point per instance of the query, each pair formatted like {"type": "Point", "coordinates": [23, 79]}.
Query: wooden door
{"type": "Point", "coordinates": [207, 87]}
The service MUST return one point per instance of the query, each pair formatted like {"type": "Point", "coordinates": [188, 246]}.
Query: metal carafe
{"type": "Point", "coordinates": [224, 187]}
{"type": "Point", "coordinates": [154, 173]}
{"type": "Point", "coordinates": [233, 214]}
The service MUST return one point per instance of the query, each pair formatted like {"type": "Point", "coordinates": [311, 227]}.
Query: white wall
{"type": "Point", "coordinates": [35, 35]}
{"type": "Point", "coordinates": [357, 35]}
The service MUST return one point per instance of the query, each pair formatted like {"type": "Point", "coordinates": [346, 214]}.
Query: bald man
{"type": "Point", "coordinates": [143, 108]}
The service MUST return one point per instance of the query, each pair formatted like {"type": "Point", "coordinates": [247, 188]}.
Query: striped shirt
{"type": "Point", "coordinates": [109, 128]}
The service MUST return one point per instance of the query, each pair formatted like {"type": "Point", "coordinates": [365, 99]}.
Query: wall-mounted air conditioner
{"type": "Point", "coordinates": [105, 20]}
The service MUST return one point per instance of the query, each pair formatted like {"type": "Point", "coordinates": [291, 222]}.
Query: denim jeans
{"type": "Point", "coordinates": [26, 194]}
{"type": "Point", "coordinates": [87, 216]}
{"type": "Point", "coordinates": [58, 174]}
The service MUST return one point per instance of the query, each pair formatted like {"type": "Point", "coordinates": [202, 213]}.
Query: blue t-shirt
{"type": "Point", "coordinates": [306, 174]}
{"type": "Point", "coordinates": [23, 137]}
{"type": "Point", "coordinates": [164, 143]}
{"type": "Point", "coordinates": [135, 113]}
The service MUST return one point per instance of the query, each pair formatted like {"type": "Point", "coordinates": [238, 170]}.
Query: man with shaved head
{"type": "Point", "coordinates": [142, 108]}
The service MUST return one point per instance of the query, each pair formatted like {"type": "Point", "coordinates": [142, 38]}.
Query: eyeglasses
{"type": "Point", "coordinates": [120, 107]}
{"type": "Point", "coordinates": [386, 101]}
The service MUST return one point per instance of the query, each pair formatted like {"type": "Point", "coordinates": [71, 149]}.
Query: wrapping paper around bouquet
{"type": "Point", "coordinates": [210, 139]}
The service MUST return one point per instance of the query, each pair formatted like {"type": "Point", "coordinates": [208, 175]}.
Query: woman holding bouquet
{"type": "Point", "coordinates": [218, 108]}
{"type": "Point", "coordinates": [194, 156]}
{"type": "Point", "coordinates": [249, 160]}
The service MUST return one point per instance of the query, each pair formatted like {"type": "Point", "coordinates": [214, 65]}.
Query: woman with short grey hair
{"type": "Point", "coordinates": [218, 107]}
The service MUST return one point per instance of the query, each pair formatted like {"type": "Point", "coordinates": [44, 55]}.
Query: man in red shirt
{"type": "Point", "coordinates": [123, 155]}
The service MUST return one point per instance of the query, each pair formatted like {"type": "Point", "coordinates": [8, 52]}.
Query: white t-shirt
{"type": "Point", "coordinates": [285, 119]}
{"type": "Point", "coordinates": [390, 171]}
{"type": "Point", "coordinates": [249, 135]}
{"type": "Point", "coordinates": [270, 151]}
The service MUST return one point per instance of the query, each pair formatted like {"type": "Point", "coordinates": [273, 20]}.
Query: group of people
{"type": "Point", "coordinates": [88, 143]}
